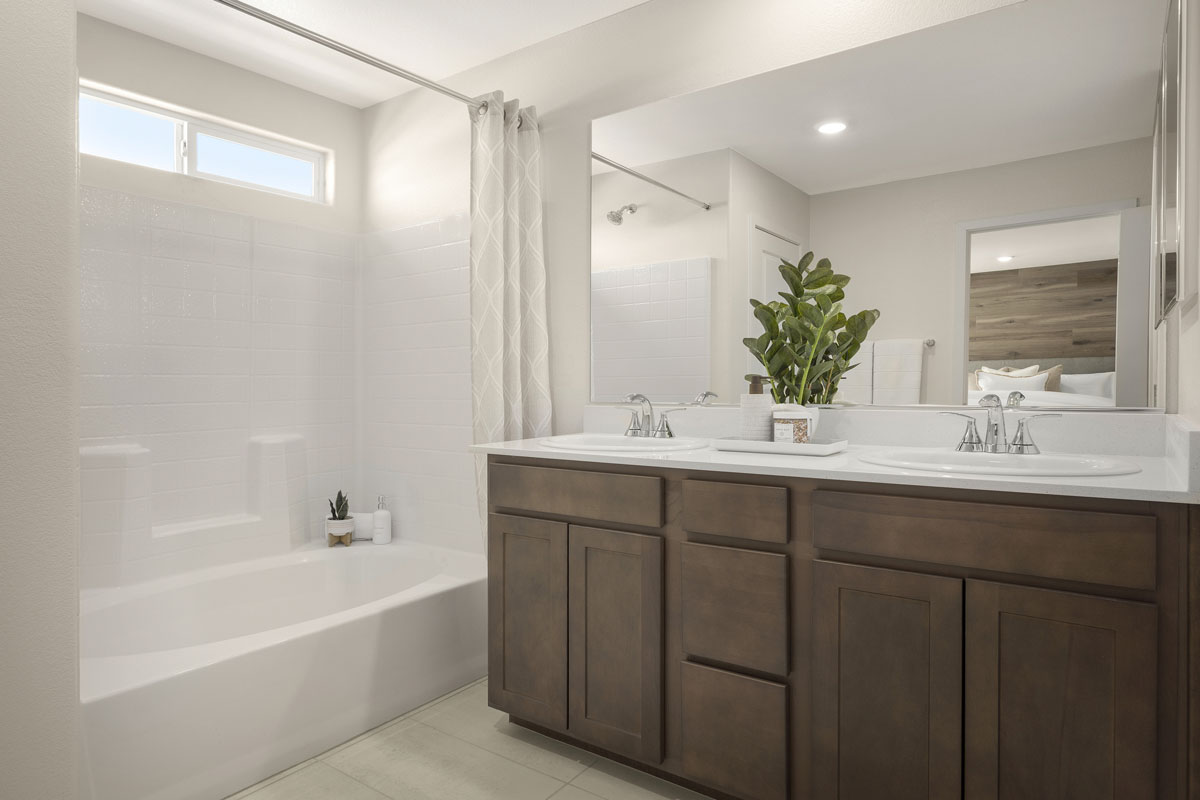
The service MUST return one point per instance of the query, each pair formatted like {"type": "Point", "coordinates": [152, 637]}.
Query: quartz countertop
{"type": "Point", "coordinates": [1161, 478]}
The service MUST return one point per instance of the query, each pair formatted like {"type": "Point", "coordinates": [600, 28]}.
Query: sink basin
{"type": "Point", "coordinates": [616, 443]}
{"type": "Point", "coordinates": [1000, 463]}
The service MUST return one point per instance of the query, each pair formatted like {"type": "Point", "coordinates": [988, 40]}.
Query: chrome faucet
{"type": "Point", "coordinates": [643, 425]}
{"type": "Point", "coordinates": [703, 398]}
{"type": "Point", "coordinates": [994, 440]}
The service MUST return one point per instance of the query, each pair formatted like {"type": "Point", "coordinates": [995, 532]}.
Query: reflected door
{"type": "Point", "coordinates": [764, 281]}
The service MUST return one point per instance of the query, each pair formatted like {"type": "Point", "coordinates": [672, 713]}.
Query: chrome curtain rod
{"type": "Point", "coordinates": [332, 44]}
{"type": "Point", "coordinates": [640, 176]}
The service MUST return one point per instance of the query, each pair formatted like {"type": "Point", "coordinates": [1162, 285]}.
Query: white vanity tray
{"type": "Point", "coordinates": [817, 448]}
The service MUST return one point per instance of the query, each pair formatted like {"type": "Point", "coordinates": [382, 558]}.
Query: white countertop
{"type": "Point", "coordinates": [1160, 480]}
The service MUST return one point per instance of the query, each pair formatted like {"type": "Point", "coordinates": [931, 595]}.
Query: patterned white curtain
{"type": "Point", "coordinates": [510, 363]}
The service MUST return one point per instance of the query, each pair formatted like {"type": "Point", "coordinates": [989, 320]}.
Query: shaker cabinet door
{"type": "Point", "coordinates": [616, 641]}
{"type": "Point", "coordinates": [1060, 695]}
{"type": "Point", "coordinates": [527, 618]}
{"type": "Point", "coordinates": [887, 684]}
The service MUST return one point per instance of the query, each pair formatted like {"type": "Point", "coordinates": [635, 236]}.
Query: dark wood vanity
{"type": "Point", "coordinates": [764, 638]}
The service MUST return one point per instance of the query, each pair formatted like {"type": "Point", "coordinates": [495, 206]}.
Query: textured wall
{"type": "Point", "coordinates": [39, 661]}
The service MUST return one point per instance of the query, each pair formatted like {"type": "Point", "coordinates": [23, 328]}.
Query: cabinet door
{"type": "Point", "coordinates": [527, 618]}
{"type": "Point", "coordinates": [887, 684]}
{"type": "Point", "coordinates": [1060, 695]}
{"type": "Point", "coordinates": [616, 587]}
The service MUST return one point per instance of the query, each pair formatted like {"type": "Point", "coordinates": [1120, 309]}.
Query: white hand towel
{"type": "Point", "coordinates": [898, 366]}
{"type": "Point", "coordinates": [857, 385]}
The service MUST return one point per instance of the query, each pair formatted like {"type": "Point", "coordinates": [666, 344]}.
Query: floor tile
{"type": "Point", "coordinates": [467, 716]}
{"type": "Point", "coordinates": [249, 790]}
{"type": "Point", "coordinates": [570, 792]}
{"type": "Point", "coordinates": [420, 709]}
{"type": "Point", "coordinates": [613, 781]}
{"type": "Point", "coordinates": [412, 761]}
{"type": "Point", "coordinates": [317, 781]}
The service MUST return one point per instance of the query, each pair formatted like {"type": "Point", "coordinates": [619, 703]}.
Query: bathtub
{"type": "Point", "coordinates": [198, 685]}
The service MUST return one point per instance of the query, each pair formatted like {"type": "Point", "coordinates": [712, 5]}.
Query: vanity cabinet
{"type": "Point", "coordinates": [1060, 695]}
{"type": "Point", "coordinates": [771, 638]}
{"type": "Point", "coordinates": [576, 611]}
{"type": "Point", "coordinates": [615, 649]}
{"type": "Point", "coordinates": [887, 684]}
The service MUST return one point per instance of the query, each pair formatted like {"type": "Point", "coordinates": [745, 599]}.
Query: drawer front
{"type": "Point", "coordinates": [603, 496]}
{"type": "Point", "coordinates": [1085, 546]}
{"type": "Point", "coordinates": [734, 732]}
{"type": "Point", "coordinates": [734, 606]}
{"type": "Point", "coordinates": [736, 510]}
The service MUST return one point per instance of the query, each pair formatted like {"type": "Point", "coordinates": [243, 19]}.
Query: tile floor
{"type": "Point", "coordinates": [456, 748]}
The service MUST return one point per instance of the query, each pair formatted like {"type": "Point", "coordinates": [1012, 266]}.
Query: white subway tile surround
{"type": "Point", "coordinates": [201, 330]}
{"type": "Point", "coordinates": [650, 330]}
{"type": "Point", "coordinates": [416, 409]}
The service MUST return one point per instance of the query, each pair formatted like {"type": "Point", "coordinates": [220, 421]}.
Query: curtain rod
{"type": "Point", "coordinates": [646, 178]}
{"type": "Point", "coordinates": [332, 44]}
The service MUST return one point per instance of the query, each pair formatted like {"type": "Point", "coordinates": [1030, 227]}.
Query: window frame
{"type": "Point", "coordinates": [189, 126]}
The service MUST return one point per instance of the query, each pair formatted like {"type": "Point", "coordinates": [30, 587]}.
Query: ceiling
{"type": "Point", "coordinates": [434, 39]}
{"type": "Point", "coordinates": [1072, 242]}
{"type": "Point", "coordinates": [1025, 80]}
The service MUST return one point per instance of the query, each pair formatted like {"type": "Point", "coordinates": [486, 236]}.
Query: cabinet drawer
{"type": "Point", "coordinates": [734, 732]}
{"type": "Point", "coordinates": [603, 496]}
{"type": "Point", "coordinates": [734, 606]}
{"type": "Point", "coordinates": [1085, 546]}
{"type": "Point", "coordinates": [736, 510]}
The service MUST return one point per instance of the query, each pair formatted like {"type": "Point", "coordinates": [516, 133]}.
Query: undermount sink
{"type": "Point", "coordinates": [616, 443]}
{"type": "Point", "coordinates": [1046, 465]}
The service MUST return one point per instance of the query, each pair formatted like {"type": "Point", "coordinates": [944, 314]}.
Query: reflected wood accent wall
{"type": "Point", "coordinates": [1063, 311]}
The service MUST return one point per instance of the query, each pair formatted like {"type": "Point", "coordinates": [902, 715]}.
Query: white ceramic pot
{"type": "Point", "coordinates": [793, 423]}
{"type": "Point", "coordinates": [339, 527]}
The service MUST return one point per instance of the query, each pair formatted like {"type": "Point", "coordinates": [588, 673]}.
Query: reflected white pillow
{"type": "Point", "coordinates": [1101, 384]}
{"type": "Point", "coordinates": [1023, 372]}
{"type": "Point", "coordinates": [1008, 383]}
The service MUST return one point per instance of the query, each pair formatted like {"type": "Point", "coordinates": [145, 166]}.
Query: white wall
{"type": "Point", "coordinates": [418, 144]}
{"type": "Point", "coordinates": [39, 400]}
{"type": "Point", "coordinates": [897, 240]}
{"type": "Point", "coordinates": [122, 59]}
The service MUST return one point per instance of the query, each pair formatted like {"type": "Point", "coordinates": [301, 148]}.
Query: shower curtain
{"type": "Point", "coordinates": [510, 364]}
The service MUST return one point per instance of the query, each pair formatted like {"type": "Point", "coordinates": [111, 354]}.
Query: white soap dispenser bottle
{"type": "Point", "coordinates": [383, 523]}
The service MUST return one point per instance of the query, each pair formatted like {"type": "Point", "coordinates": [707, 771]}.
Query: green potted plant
{"type": "Point", "coordinates": [808, 342]}
{"type": "Point", "coordinates": [339, 527]}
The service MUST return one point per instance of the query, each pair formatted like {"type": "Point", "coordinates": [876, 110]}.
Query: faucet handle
{"type": "Point", "coordinates": [1022, 442]}
{"type": "Point", "coordinates": [635, 421]}
{"type": "Point", "coordinates": [1015, 399]}
{"type": "Point", "coordinates": [704, 397]}
{"type": "Point", "coordinates": [663, 431]}
{"type": "Point", "coordinates": [970, 442]}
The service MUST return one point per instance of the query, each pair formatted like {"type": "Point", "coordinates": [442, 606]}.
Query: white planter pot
{"type": "Point", "coordinates": [794, 423]}
{"type": "Point", "coordinates": [339, 527]}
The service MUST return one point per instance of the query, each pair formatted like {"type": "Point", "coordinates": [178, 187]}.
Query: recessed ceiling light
{"type": "Point", "coordinates": [1004, 259]}
{"type": "Point", "coordinates": [830, 128]}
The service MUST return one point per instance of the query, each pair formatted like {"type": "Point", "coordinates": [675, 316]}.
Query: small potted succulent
{"type": "Point", "coordinates": [340, 525]}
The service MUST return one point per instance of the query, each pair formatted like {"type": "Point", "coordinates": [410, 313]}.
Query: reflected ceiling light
{"type": "Point", "coordinates": [830, 128]}
{"type": "Point", "coordinates": [1004, 259]}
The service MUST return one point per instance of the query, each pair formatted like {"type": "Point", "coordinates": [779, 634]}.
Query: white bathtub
{"type": "Point", "coordinates": [198, 685]}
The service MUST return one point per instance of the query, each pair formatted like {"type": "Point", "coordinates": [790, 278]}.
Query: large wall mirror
{"type": "Point", "coordinates": [1001, 188]}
